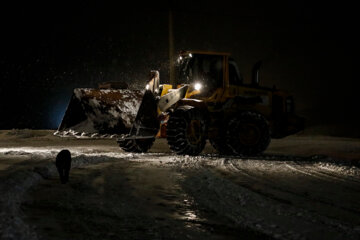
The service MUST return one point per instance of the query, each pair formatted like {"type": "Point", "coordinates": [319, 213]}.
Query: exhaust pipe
{"type": "Point", "coordinates": [255, 73]}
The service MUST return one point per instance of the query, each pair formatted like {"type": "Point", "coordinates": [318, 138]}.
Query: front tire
{"type": "Point", "coordinates": [248, 134]}
{"type": "Point", "coordinates": [186, 131]}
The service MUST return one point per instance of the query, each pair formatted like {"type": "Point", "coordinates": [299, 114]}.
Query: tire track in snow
{"type": "Point", "coordinates": [289, 192]}
{"type": "Point", "coordinates": [350, 205]}
{"type": "Point", "coordinates": [275, 187]}
{"type": "Point", "coordinates": [315, 172]}
{"type": "Point", "coordinates": [248, 208]}
{"type": "Point", "coordinates": [268, 186]}
{"type": "Point", "coordinates": [338, 175]}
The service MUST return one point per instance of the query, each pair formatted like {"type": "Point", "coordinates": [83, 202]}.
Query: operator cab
{"type": "Point", "coordinates": [206, 71]}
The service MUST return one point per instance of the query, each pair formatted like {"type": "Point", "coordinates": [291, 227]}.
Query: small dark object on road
{"type": "Point", "coordinates": [63, 165]}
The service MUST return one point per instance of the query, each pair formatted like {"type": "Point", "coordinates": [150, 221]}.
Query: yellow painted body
{"type": "Point", "coordinates": [166, 88]}
{"type": "Point", "coordinates": [221, 100]}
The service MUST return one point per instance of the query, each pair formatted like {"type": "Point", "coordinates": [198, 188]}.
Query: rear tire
{"type": "Point", "coordinates": [136, 145]}
{"type": "Point", "coordinates": [186, 131]}
{"type": "Point", "coordinates": [248, 134]}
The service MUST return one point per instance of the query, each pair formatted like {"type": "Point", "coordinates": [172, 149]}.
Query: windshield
{"type": "Point", "coordinates": [204, 69]}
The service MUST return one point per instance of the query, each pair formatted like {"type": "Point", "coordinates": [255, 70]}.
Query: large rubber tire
{"type": "Point", "coordinates": [136, 145]}
{"type": "Point", "coordinates": [248, 134]}
{"type": "Point", "coordinates": [186, 131]}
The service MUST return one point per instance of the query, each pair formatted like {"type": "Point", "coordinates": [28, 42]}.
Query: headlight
{"type": "Point", "coordinates": [197, 86]}
{"type": "Point", "coordinates": [147, 86]}
{"type": "Point", "coordinates": [179, 59]}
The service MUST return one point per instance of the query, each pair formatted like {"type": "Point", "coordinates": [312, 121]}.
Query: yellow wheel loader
{"type": "Point", "coordinates": [208, 101]}
{"type": "Point", "coordinates": [211, 101]}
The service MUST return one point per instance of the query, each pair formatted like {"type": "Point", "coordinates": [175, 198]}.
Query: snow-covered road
{"type": "Point", "coordinates": [287, 199]}
{"type": "Point", "coordinates": [116, 195]}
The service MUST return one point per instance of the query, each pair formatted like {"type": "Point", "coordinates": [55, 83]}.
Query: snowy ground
{"type": "Point", "coordinates": [303, 187]}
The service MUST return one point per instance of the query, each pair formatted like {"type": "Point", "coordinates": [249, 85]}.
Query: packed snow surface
{"type": "Point", "coordinates": [160, 195]}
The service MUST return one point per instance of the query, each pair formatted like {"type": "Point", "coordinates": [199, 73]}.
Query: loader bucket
{"type": "Point", "coordinates": [100, 112]}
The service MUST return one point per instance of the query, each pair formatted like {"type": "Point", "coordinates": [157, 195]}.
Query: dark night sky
{"type": "Point", "coordinates": [49, 48]}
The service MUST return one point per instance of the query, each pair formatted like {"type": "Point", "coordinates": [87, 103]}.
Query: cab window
{"type": "Point", "coordinates": [234, 74]}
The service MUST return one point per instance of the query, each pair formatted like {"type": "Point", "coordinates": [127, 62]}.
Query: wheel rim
{"type": "Point", "coordinates": [194, 132]}
{"type": "Point", "coordinates": [249, 134]}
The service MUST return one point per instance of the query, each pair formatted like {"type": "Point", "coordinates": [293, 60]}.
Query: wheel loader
{"type": "Point", "coordinates": [209, 101]}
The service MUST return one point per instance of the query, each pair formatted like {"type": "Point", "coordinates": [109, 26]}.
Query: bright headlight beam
{"type": "Point", "coordinates": [147, 86]}
{"type": "Point", "coordinates": [197, 86]}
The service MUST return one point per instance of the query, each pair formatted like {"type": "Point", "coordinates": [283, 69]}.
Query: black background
{"type": "Point", "coordinates": [49, 48]}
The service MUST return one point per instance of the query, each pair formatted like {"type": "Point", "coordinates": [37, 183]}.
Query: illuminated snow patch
{"type": "Point", "coordinates": [75, 152]}
{"type": "Point", "coordinates": [28, 150]}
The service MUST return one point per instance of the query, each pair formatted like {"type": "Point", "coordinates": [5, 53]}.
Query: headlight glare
{"type": "Point", "coordinates": [197, 86]}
